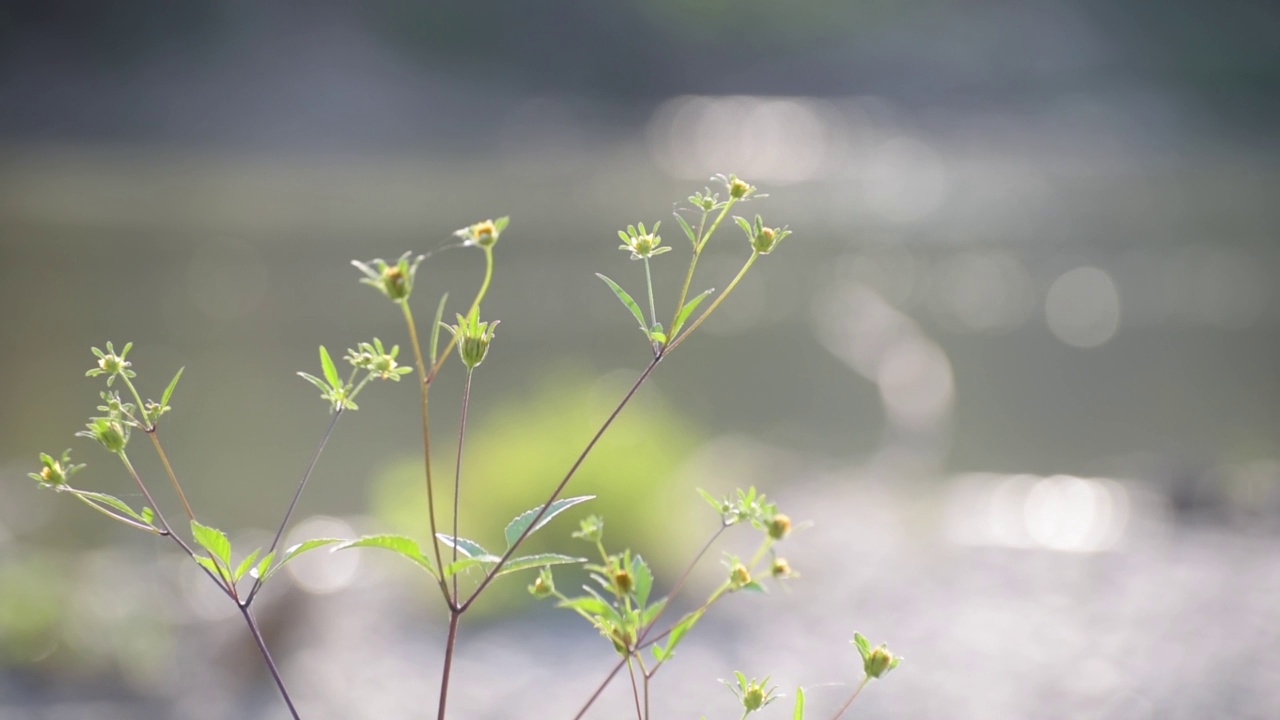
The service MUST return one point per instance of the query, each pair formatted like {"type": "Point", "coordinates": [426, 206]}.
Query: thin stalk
{"type": "Point", "coordinates": [457, 474]}
{"type": "Point", "coordinates": [424, 385]}
{"type": "Point", "coordinates": [484, 289]}
{"type": "Point", "coordinates": [454, 616]}
{"type": "Point", "coordinates": [164, 459]}
{"type": "Point", "coordinates": [852, 697]}
{"type": "Point", "coordinates": [493, 571]}
{"type": "Point", "coordinates": [715, 303]}
{"type": "Point", "coordinates": [293, 504]}
{"type": "Point", "coordinates": [697, 252]}
{"type": "Point", "coordinates": [653, 313]}
{"type": "Point", "coordinates": [271, 664]}
{"type": "Point", "coordinates": [635, 689]}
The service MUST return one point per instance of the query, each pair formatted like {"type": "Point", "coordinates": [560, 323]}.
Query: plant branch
{"type": "Point", "coordinates": [457, 475]}
{"type": "Point", "coordinates": [716, 303]}
{"type": "Point", "coordinates": [493, 571]}
{"type": "Point", "coordinates": [164, 459]}
{"type": "Point", "coordinates": [635, 689]}
{"type": "Point", "coordinates": [266, 656]}
{"type": "Point", "coordinates": [455, 615]}
{"type": "Point", "coordinates": [302, 484]}
{"type": "Point", "coordinates": [852, 697]}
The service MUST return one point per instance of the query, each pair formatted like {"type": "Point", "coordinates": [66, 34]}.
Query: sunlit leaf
{"type": "Point", "coordinates": [687, 310]}
{"type": "Point", "coordinates": [523, 520]}
{"type": "Point", "coordinates": [627, 301]}
{"type": "Point", "coordinates": [399, 544]}
{"type": "Point", "coordinates": [330, 372]}
{"type": "Point", "coordinates": [536, 561]}
{"type": "Point", "coordinates": [168, 392]}
{"type": "Point", "coordinates": [245, 564]}
{"type": "Point", "coordinates": [470, 548]}
{"type": "Point", "coordinates": [213, 540]}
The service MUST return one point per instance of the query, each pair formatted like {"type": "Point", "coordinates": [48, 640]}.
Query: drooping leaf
{"type": "Point", "coordinates": [330, 372]}
{"type": "Point", "coordinates": [143, 517]}
{"type": "Point", "coordinates": [537, 561]}
{"type": "Point", "coordinates": [168, 392]}
{"type": "Point", "coordinates": [245, 565]}
{"type": "Point", "coordinates": [687, 310]}
{"type": "Point", "coordinates": [469, 548]}
{"type": "Point", "coordinates": [627, 301]}
{"type": "Point", "coordinates": [523, 520]}
{"type": "Point", "coordinates": [213, 540]}
{"type": "Point", "coordinates": [399, 544]}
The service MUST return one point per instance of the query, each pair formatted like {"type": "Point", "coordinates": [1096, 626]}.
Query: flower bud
{"type": "Point", "coordinates": [641, 243]}
{"type": "Point", "coordinates": [739, 188]}
{"type": "Point", "coordinates": [108, 432]}
{"type": "Point", "coordinates": [623, 581]}
{"type": "Point", "coordinates": [877, 661]}
{"type": "Point", "coordinates": [484, 233]}
{"type": "Point", "coordinates": [739, 576]}
{"type": "Point", "coordinates": [55, 472]}
{"type": "Point", "coordinates": [544, 585]}
{"type": "Point", "coordinates": [473, 338]}
{"type": "Point", "coordinates": [780, 568]}
{"type": "Point", "coordinates": [779, 526]}
{"type": "Point", "coordinates": [395, 280]}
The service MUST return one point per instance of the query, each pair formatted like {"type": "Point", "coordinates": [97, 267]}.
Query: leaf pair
{"type": "Point", "coordinates": [655, 333]}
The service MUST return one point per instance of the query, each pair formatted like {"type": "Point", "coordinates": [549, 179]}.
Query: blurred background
{"type": "Point", "coordinates": [1018, 363]}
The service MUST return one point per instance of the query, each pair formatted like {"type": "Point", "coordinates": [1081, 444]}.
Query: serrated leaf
{"type": "Point", "coordinates": [399, 544]}
{"type": "Point", "coordinates": [687, 310]}
{"type": "Point", "coordinates": [245, 564]}
{"type": "Point", "coordinates": [798, 712]}
{"type": "Point", "coordinates": [295, 550]}
{"type": "Point", "coordinates": [537, 561]}
{"type": "Point", "coordinates": [263, 564]}
{"type": "Point", "coordinates": [435, 332]}
{"type": "Point", "coordinates": [467, 563]}
{"type": "Point", "coordinates": [641, 579]}
{"type": "Point", "coordinates": [627, 301]}
{"type": "Point", "coordinates": [330, 372]}
{"type": "Point", "coordinates": [213, 540]}
{"type": "Point", "coordinates": [118, 504]}
{"type": "Point", "coordinates": [211, 566]}
{"type": "Point", "coordinates": [522, 521]}
{"type": "Point", "coordinates": [684, 225]}
{"type": "Point", "coordinates": [469, 548]}
{"type": "Point", "coordinates": [168, 392]}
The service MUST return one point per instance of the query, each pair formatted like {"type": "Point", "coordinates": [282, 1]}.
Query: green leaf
{"type": "Point", "coordinates": [536, 561]}
{"type": "Point", "coordinates": [263, 564]}
{"type": "Point", "coordinates": [213, 540]}
{"type": "Point", "coordinates": [244, 565]}
{"type": "Point", "coordinates": [469, 548]}
{"type": "Point", "coordinates": [143, 517]}
{"type": "Point", "coordinates": [330, 372]}
{"type": "Point", "coordinates": [745, 225]}
{"type": "Point", "coordinates": [863, 645]}
{"type": "Point", "coordinates": [684, 225]}
{"type": "Point", "coordinates": [522, 521]}
{"type": "Point", "coordinates": [296, 550]}
{"type": "Point", "coordinates": [435, 333]}
{"type": "Point", "coordinates": [317, 382]}
{"type": "Point", "coordinates": [168, 392]}
{"type": "Point", "coordinates": [588, 604]}
{"type": "Point", "coordinates": [626, 300]}
{"type": "Point", "coordinates": [399, 544]}
{"type": "Point", "coordinates": [677, 634]}
{"type": "Point", "coordinates": [211, 566]}
{"type": "Point", "coordinates": [642, 580]}
{"type": "Point", "coordinates": [798, 713]}
{"type": "Point", "coordinates": [755, 587]}
{"type": "Point", "coordinates": [687, 310]}
{"type": "Point", "coordinates": [467, 563]}
{"type": "Point", "coordinates": [651, 612]}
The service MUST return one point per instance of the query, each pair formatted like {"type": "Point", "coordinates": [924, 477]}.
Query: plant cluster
{"type": "Point", "coordinates": [619, 601]}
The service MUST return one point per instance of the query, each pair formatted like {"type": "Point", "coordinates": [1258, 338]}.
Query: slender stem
{"type": "Point", "coordinates": [164, 459]}
{"type": "Point", "coordinates": [852, 697]}
{"type": "Point", "coordinates": [113, 516]}
{"type": "Point", "coordinates": [425, 387]}
{"type": "Point", "coordinates": [302, 484]}
{"type": "Point", "coordinates": [266, 656]}
{"type": "Point", "coordinates": [493, 571]}
{"type": "Point", "coordinates": [715, 303]}
{"type": "Point", "coordinates": [647, 678]}
{"type": "Point", "coordinates": [635, 689]}
{"type": "Point", "coordinates": [457, 474]}
{"type": "Point", "coordinates": [653, 313]}
{"type": "Point", "coordinates": [454, 616]}
{"type": "Point", "coordinates": [475, 304]}
{"type": "Point", "coordinates": [697, 252]}
{"type": "Point", "coordinates": [142, 409]}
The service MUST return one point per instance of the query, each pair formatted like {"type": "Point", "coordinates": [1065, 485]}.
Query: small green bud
{"type": "Point", "coordinates": [544, 585]}
{"type": "Point", "coordinates": [108, 432]}
{"type": "Point", "coordinates": [395, 280]}
{"type": "Point", "coordinates": [753, 694]}
{"type": "Point", "coordinates": [484, 233]}
{"type": "Point", "coordinates": [780, 569]}
{"type": "Point", "coordinates": [473, 338]}
{"type": "Point", "coordinates": [876, 661]}
{"type": "Point", "coordinates": [739, 575]}
{"type": "Point", "coordinates": [111, 364]}
{"type": "Point", "coordinates": [623, 581]}
{"type": "Point", "coordinates": [375, 358]}
{"type": "Point", "coordinates": [779, 526]}
{"type": "Point", "coordinates": [641, 243]}
{"type": "Point", "coordinates": [55, 472]}
{"type": "Point", "coordinates": [764, 240]}
{"type": "Point", "coordinates": [739, 188]}
{"type": "Point", "coordinates": [590, 529]}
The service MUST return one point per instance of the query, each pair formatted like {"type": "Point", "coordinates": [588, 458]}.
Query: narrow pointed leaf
{"type": "Point", "coordinates": [642, 580]}
{"type": "Point", "coordinates": [470, 548]}
{"type": "Point", "coordinates": [687, 310]}
{"type": "Point", "coordinates": [263, 564]}
{"type": "Point", "coordinates": [245, 564]}
{"type": "Point", "coordinates": [523, 520]}
{"type": "Point", "coordinates": [435, 328]}
{"type": "Point", "coordinates": [684, 225]}
{"type": "Point", "coordinates": [626, 300]}
{"type": "Point", "coordinates": [213, 540]}
{"type": "Point", "coordinates": [315, 381]}
{"type": "Point", "coordinates": [651, 612]}
{"type": "Point", "coordinates": [798, 712]}
{"type": "Point", "coordinates": [537, 561]}
{"type": "Point", "coordinates": [295, 550]}
{"type": "Point", "coordinates": [330, 372]}
{"type": "Point", "coordinates": [168, 392]}
{"type": "Point", "coordinates": [399, 544]}
{"type": "Point", "coordinates": [143, 517]}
